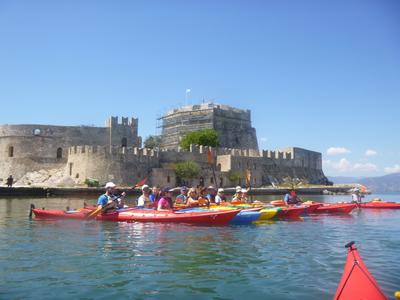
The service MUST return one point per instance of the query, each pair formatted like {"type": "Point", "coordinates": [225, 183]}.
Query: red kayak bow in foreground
{"type": "Point", "coordinates": [357, 282]}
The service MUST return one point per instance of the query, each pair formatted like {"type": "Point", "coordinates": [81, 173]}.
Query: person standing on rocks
{"type": "Point", "coordinates": [10, 181]}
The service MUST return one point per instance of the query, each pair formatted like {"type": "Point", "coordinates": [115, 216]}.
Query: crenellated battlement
{"type": "Point", "coordinates": [277, 154]}
{"type": "Point", "coordinates": [125, 121]}
{"type": "Point", "coordinates": [85, 150]}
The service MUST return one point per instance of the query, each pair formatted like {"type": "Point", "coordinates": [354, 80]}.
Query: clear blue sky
{"type": "Point", "coordinates": [316, 74]}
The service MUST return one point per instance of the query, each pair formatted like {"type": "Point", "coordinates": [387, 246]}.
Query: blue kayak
{"type": "Point", "coordinates": [246, 217]}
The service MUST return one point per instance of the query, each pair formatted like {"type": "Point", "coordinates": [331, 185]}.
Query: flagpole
{"type": "Point", "coordinates": [210, 159]}
{"type": "Point", "coordinates": [186, 96]}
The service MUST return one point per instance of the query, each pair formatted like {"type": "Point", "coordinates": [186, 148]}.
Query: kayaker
{"type": "Point", "coordinates": [192, 198]}
{"type": "Point", "coordinates": [292, 198]}
{"type": "Point", "coordinates": [108, 201]}
{"type": "Point", "coordinates": [237, 198]}
{"type": "Point", "coordinates": [144, 199]}
{"type": "Point", "coordinates": [220, 197]}
{"type": "Point", "coordinates": [182, 197]}
{"type": "Point", "coordinates": [211, 193]}
{"type": "Point", "coordinates": [244, 196]}
{"type": "Point", "coordinates": [165, 203]}
{"type": "Point", "coordinates": [155, 195]}
{"type": "Point", "coordinates": [203, 200]}
{"type": "Point", "coordinates": [355, 197]}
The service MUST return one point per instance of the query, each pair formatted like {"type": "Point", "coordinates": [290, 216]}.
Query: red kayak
{"type": "Point", "coordinates": [290, 212]}
{"type": "Point", "coordinates": [357, 282]}
{"type": "Point", "coordinates": [144, 215]}
{"type": "Point", "coordinates": [339, 208]}
{"type": "Point", "coordinates": [380, 205]}
{"type": "Point", "coordinates": [312, 207]}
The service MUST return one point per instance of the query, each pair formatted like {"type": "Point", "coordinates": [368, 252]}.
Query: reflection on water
{"type": "Point", "coordinates": [275, 259]}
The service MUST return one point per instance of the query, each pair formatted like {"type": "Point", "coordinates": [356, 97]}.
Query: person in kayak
{"type": "Point", "coordinates": [144, 199]}
{"type": "Point", "coordinates": [109, 201]}
{"type": "Point", "coordinates": [155, 195]}
{"type": "Point", "coordinates": [192, 198]}
{"type": "Point", "coordinates": [203, 200]}
{"type": "Point", "coordinates": [220, 197]}
{"type": "Point", "coordinates": [165, 203]}
{"type": "Point", "coordinates": [357, 196]}
{"type": "Point", "coordinates": [244, 195]}
{"type": "Point", "coordinates": [211, 193]}
{"type": "Point", "coordinates": [291, 198]}
{"type": "Point", "coordinates": [183, 196]}
{"type": "Point", "coordinates": [237, 198]}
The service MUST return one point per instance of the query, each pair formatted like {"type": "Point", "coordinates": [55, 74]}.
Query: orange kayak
{"type": "Point", "coordinates": [357, 282]}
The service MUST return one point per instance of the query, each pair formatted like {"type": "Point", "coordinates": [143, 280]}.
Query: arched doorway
{"type": "Point", "coordinates": [59, 152]}
{"type": "Point", "coordinates": [11, 151]}
{"type": "Point", "coordinates": [124, 142]}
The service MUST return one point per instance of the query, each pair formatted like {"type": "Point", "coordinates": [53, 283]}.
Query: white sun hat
{"type": "Point", "coordinates": [110, 185]}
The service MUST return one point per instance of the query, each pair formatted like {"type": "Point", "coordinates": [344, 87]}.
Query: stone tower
{"type": "Point", "coordinates": [233, 125]}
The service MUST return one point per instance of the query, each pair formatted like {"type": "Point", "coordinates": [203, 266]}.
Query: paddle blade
{"type": "Point", "coordinates": [94, 213]}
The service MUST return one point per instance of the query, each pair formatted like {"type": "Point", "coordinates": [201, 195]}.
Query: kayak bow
{"type": "Point", "coordinates": [357, 282]}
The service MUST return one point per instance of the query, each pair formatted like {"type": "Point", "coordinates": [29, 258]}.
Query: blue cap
{"type": "Point", "coordinates": [166, 189]}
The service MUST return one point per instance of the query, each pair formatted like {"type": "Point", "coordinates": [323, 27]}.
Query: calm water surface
{"type": "Point", "coordinates": [276, 260]}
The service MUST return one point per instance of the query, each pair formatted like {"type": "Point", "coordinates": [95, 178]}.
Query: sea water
{"type": "Point", "coordinates": [301, 259]}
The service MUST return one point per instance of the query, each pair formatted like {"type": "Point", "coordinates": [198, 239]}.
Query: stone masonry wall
{"type": "Point", "coordinates": [27, 148]}
{"type": "Point", "coordinates": [124, 166]}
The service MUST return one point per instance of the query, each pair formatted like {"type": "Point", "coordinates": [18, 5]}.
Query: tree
{"type": "Point", "coordinates": [293, 183]}
{"type": "Point", "coordinates": [205, 137]}
{"type": "Point", "coordinates": [152, 141]}
{"type": "Point", "coordinates": [186, 170]}
{"type": "Point", "coordinates": [235, 176]}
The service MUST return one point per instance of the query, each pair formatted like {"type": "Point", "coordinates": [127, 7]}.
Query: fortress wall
{"type": "Point", "coordinates": [125, 166]}
{"type": "Point", "coordinates": [198, 155]}
{"type": "Point", "coordinates": [68, 135]}
{"type": "Point", "coordinates": [19, 155]}
{"type": "Point", "coordinates": [234, 128]}
{"type": "Point", "coordinates": [307, 159]}
{"type": "Point", "coordinates": [36, 147]}
{"type": "Point", "coordinates": [181, 121]}
{"type": "Point", "coordinates": [123, 128]}
{"type": "Point", "coordinates": [224, 163]}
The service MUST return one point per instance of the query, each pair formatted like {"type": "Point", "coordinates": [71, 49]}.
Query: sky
{"type": "Point", "coordinates": [320, 75]}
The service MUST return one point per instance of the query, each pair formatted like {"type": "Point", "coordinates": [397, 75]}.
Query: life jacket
{"type": "Point", "coordinates": [203, 201]}
{"type": "Point", "coordinates": [192, 202]}
{"type": "Point", "coordinates": [166, 203]}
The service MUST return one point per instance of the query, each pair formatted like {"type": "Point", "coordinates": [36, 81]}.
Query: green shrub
{"type": "Point", "coordinates": [91, 182]}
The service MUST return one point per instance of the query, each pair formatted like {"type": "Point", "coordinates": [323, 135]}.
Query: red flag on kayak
{"type": "Point", "coordinates": [209, 156]}
{"type": "Point", "coordinates": [140, 183]}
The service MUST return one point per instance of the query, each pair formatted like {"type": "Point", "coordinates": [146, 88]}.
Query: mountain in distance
{"type": "Point", "coordinates": [383, 184]}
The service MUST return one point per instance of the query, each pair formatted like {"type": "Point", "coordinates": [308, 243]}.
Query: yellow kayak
{"type": "Point", "coordinates": [268, 213]}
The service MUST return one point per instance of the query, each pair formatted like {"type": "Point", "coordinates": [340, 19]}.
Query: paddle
{"type": "Point", "coordinates": [98, 210]}
{"type": "Point", "coordinates": [94, 213]}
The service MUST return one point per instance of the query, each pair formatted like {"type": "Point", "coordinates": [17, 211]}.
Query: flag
{"type": "Point", "coordinates": [248, 177]}
{"type": "Point", "coordinates": [140, 183]}
{"type": "Point", "coordinates": [188, 90]}
{"type": "Point", "coordinates": [209, 156]}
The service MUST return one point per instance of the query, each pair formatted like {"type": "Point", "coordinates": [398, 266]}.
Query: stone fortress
{"type": "Point", "coordinates": [47, 155]}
